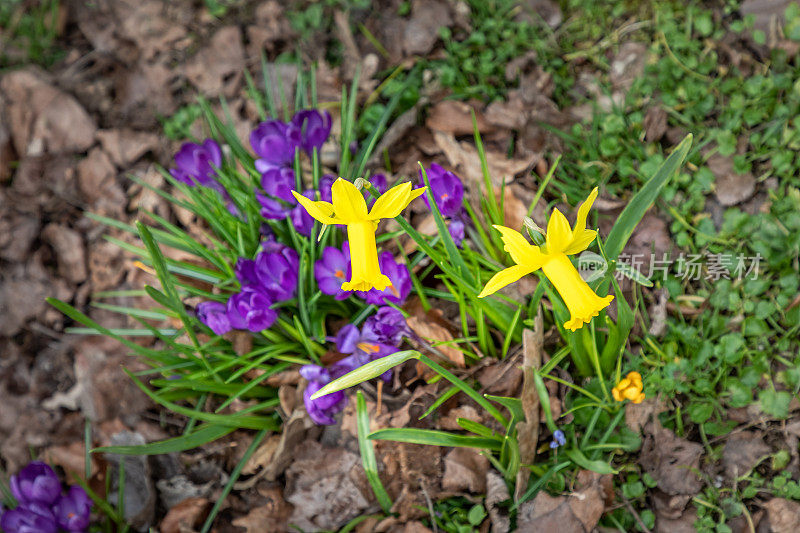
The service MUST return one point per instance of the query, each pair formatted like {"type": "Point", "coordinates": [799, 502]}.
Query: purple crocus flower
{"type": "Point", "coordinates": [447, 190]}
{"type": "Point", "coordinates": [277, 272]}
{"type": "Point", "coordinates": [332, 270]}
{"type": "Point", "coordinates": [73, 510]}
{"type": "Point", "coordinates": [363, 344]}
{"type": "Point", "coordinates": [400, 277]}
{"type": "Point", "coordinates": [279, 182]}
{"type": "Point", "coordinates": [313, 128]}
{"type": "Point", "coordinates": [456, 229]}
{"type": "Point", "coordinates": [251, 309]}
{"type": "Point", "coordinates": [274, 142]}
{"type": "Point", "coordinates": [245, 271]}
{"type": "Point", "coordinates": [322, 409]}
{"type": "Point", "coordinates": [380, 182]}
{"type": "Point", "coordinates": [215, 316]}
{"type": "Point", "coordinates": [33, 518]}
{"type": "Point", "coordinates": [196, 164]}
{"type": "Point", "coordinates": [301, 220]}
{"type": "Point", "coordinates": [325, 187]}
{"type": "Point", "coordinates": [36, 483]}
{"type": "Point", "coordinates": [387, 325]}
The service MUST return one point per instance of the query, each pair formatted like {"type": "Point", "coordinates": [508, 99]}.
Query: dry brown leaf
{"type": "Point", "coordinates": [464, 157]}
{"type": "Point", "coordinates": [455, 118]}
{"type": "Point", "coordinates": [579, 512]}
{"type": "Point", "coordinates": [784, 515]}
{"type": "Point", "coordinates": [327, 487]}
{"type": "Point", "coordinates": [185, 516]}
{"type": "Point", "coordinates": [42, 118]}
{"type": "Point", "coordinates": [672, 461]}
{"type": "Point", "coordinates": [742, 452]}
{"type": "Point", "coordinates": [422, 29]}
{"type": "Point", "coordinates": [125, 145]}
{"type": "Point", "coordinates": [730, 187]}
{"type": "Point", "coordinates": [273, 516]}
{"type": "Point", "coordinates": [465, 470]}
{"type": "Point", "coordinates": [434, 333]}
{"type": "Point", "coordinates": [655, 123]}
{"type": "Point", "coordinates": [217, 68]}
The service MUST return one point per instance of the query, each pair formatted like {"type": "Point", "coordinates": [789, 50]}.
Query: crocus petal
{"type": "Point", "coordinates": [505, 277]}
{"type": "Point", "coordinates": [321, 211]}
{"type": "Point", "coordinates": [348, 202]}
{"type": "Point", "coordinates": [559, 235]}
{"type": "Point", "coordinates": [390, 204]}
{"type": "Point", "coordinates": [581, 241]}
{"type": "Point", "coordinates": [521, 251]}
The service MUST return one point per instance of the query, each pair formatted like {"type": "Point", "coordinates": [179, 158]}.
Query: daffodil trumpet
{"type": "Point", "coordinates": [552, 258]}
{"type": "Point", "coordinates": [349, 208]}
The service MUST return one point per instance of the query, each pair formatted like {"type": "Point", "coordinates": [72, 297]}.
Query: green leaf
{"type": "Point", "coordinates": [577, 456]}
{"type": "Point", "coordinates": [642, 200]}
{"type": "Point", "coordinates": [775, 403]}
{"type": "Point", "coordinates": [368, 454]}
{"type": "Point", "coordinates": [204, 434]}
{"type": "Point", "coordinates": [366, 372]}
{"type": "Point", "coordinates": [234, 421]}
{"type": "Point", "coordinates": [435, 438]}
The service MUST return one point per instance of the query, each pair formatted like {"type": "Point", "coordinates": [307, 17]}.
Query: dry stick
{"type": "Point", "coordinates": [528, 430]}
{"type": "Point", "coordinates": [636, 516]}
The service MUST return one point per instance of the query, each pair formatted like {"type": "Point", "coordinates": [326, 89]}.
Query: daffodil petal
{"type": "Point", "coordinates": [581, 241]}
{"type": "Point", "coordinates": [348, 202]}
{"type": "Point", "coordinates": [393, 201]}
{"type": "Point", "coordinates": [583, 212]}
{"type": "Point", "coordinates": [521, 251]}
{"type": "Point", "coordinates": [503, 278]}
{"type": "Point", "coordinates": [321, 211]}
{"type": "Point", "coordinates": [559, 234]}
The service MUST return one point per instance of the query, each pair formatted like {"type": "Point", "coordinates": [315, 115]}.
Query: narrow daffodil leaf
{"type": "Point", "coordinates": [366, 372]}
{"type": "Point", "coordinates": [435, 438]}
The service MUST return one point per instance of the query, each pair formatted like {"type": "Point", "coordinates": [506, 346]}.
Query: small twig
{"type": "Point", "coordinates": [430, 504]}
{"type": "Point", "coordinates": [636, 516]}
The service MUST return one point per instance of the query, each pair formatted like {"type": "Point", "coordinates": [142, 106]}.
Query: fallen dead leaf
{"type": "Point", "coordinates": [578, 512]}
{"type": "Point", "coordinates": [672, 461]}
{"type": "Point", "coordinates": [187, 515]}
{"type": "Point", "coordinates": [464, 157]}
{"type": "Point", "coordinates": [465, 470]}
{"type": "Point", "coordinates": [217, 68]}
{"type": "Point", "coordinates": [742, 452]}
{"type": "Point", "coordinates": [654, 124]}
{"type": "Point", "coordinates": [435, 334]}
{"type": "Point", "coordinates": [273, 516]}
{"type": "Point", "coordinates": [784, 515]}
{"type": "Point", "coordinates": [327, 487]}
{"type": "Point", "coordinates": [497, 493]}
{"type": "Point", "coordinates": [730, 187]}
{"type": "Point", "coordinates": [126, 146]}
{"type": "Point", "coordinates": [422, 29]}
{"type": "Point", "coordinates": [455, 118]}
{"type": "Point", "coordinates": [95, 174]}
{"type": "Point", "coordinates": [43, 118]}
{"type": "Point", "coordinates": [70, 252]}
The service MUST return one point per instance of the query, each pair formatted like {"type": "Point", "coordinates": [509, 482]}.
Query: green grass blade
{"type": "Point", "coordinates": [642, 200]}
{"type": "Point", "coordinates": [234, 477]}
{"type": "Point", "coordinates": [368, 454]}
{"type": "Point", "coordinates": [435, 438]}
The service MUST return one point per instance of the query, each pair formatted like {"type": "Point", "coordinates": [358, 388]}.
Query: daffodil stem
{"type": "Point", "coordinates": [590, 341]}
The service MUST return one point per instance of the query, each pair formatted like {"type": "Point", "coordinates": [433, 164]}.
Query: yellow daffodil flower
{"type": "Point", "coordinates": [629, 388]}
{"type": "Point", "coordinates": [349, 208]}
{"type": "Point", "coordinates": [560, 241]}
